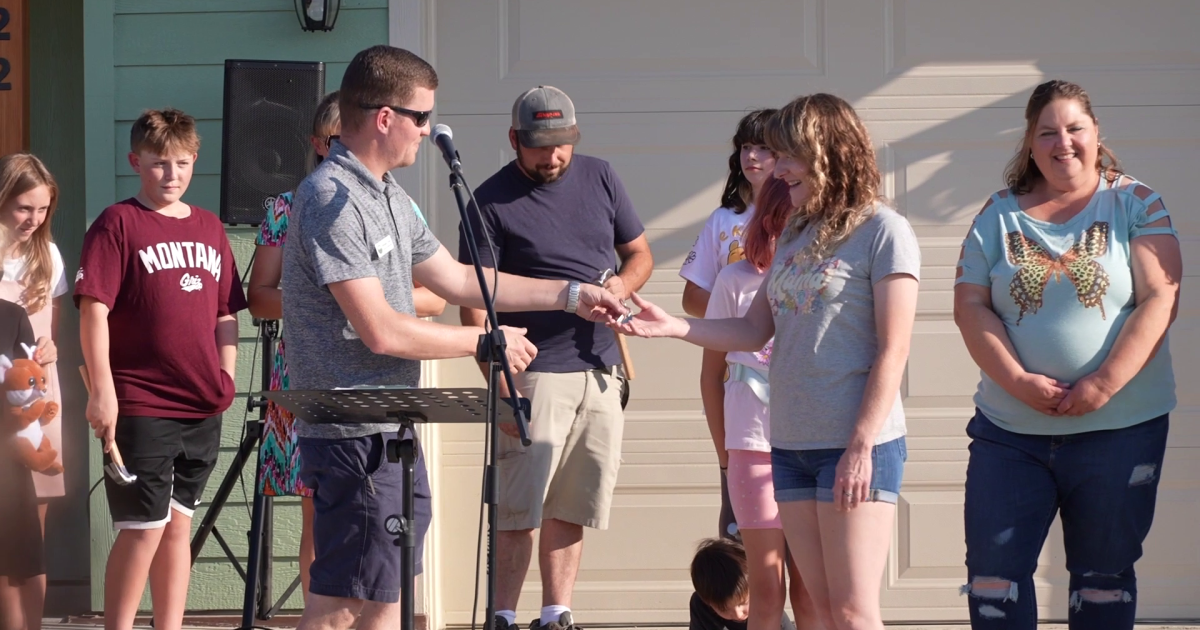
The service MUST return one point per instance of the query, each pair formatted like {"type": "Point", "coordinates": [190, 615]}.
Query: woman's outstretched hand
{"type": "Point", "coordinates": [652, 321]}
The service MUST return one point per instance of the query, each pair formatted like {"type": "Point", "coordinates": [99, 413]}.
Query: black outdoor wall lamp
{"type": "Point", "coordinates": [317, 15]}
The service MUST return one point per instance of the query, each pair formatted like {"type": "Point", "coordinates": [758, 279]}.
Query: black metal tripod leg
{"type": "Point", "coordinates": [265, 538]}
{"type": "Point", "coordinates": [491, 493]}
{"type": "Point", "coordinates": [254, 560]}
{"type": "Point", "coordinates": [408, 539]}
{"type": "Point", "coordinates": [249, 444]}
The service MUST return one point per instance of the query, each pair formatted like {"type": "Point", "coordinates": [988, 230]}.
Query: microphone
{"type": "Point", "coordinates": [443, 137]}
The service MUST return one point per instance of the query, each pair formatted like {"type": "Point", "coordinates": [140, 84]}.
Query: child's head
{"type": "Point", "coordinates": [162, 150]}
{"type": "Point", "coordinates": [28, 197]}
{"type": "Point", "coordinates": [751, 163]}
{"type": "Point", "coordinates": [719, 577]}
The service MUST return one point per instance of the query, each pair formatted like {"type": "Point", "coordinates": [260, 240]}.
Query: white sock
{"type": "Point", "coordinates": [509, 616]}
{"type": "Point", "coordinates": [551, 614]}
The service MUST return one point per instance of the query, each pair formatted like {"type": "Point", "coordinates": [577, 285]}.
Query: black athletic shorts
{"type": "Point", "coordinates": [172, 458]}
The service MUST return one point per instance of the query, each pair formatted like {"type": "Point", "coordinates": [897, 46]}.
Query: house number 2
{"type": "Point", "coordinates": [5, 66]}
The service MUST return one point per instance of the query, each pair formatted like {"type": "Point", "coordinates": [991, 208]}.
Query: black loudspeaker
{"type": "Point", "coordinates": [268, 116]}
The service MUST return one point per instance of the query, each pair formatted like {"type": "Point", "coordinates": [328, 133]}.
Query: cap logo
{"type": "Point", "coordinates": [548, 114]}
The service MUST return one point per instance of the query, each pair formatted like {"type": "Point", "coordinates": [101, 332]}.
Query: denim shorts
{"type": "Point", "coordinates": [355, 490]}
{"type": "Point", "coordinates": [808, 475]}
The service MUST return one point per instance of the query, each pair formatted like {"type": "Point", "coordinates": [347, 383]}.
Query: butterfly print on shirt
{"type": "Point", "coordinates": [1036, 265]}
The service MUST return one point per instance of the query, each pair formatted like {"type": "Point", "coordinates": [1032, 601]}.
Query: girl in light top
{"type": "Point", "coordinates": [746, 422]}
{"type": "Point", "coordinates": [840, 300]}
{"type": "Point", "coordinates": [34, 278]}
{"type": "Point", "coordinates": [1067, 285]}
{"type": "Point", "coordinates": [720, 244]}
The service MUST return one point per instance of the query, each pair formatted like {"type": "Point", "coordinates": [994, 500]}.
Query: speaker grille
{"type": "Point", "coordinates": [269, 109]}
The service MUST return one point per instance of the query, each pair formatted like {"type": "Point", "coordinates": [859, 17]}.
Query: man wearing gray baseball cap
{"type": "Point", "coordinates": [553, 213]}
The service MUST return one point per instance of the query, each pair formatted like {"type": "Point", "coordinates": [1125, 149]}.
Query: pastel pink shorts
{"type": "Point", "coordinates": [751, 490]}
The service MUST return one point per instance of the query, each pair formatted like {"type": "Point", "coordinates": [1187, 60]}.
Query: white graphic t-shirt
{"type": "Point", "coordinates": [719, 244]}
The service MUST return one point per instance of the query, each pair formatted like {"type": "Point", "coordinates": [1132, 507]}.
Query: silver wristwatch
{"type": "Point", "coordinates": [572, 297]}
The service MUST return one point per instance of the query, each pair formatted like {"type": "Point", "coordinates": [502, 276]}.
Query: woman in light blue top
{"type": "Point", "coordinates": [1067, 284]}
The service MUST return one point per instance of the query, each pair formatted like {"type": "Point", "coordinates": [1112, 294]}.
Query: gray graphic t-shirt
{"type": "Point", "coordinates": [347, 224]}
{"type": "Point", "coordinates": [825, 339]}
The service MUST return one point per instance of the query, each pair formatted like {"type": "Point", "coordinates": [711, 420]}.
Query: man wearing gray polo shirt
{"type": "Point", "coordinates": [354, 247]}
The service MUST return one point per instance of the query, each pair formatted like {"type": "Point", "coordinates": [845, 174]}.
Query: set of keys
{"type": "Point", "coordinates": [621, 345]}
{"type": "Point", "coordinates": [608, 273]}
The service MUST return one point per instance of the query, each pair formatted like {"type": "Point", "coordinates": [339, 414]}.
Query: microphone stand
{"type": "Point", "coordinates": [491, 350]}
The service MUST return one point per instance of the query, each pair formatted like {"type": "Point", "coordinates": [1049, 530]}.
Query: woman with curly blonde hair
{"type": "Point", "coordinates": [840, 299]}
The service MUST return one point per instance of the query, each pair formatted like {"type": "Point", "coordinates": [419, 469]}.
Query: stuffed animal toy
{"type": "Point", "coordinates": [25, 390]}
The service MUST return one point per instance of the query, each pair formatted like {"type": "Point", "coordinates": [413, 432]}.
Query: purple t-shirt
{"type": "Point", "coordinates": [565, 230]}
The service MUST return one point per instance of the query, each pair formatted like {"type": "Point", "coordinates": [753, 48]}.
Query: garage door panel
{"type": "Point", "coordinates": [938, 33]}
{"type": "Point", "coordinates": [952, 42]}
{"type": "Point", "coordinates": [936, 299]}
{"type": "Point", "coordinates": [663, 593]}
{"type": "Point", "coordinates": [930, 522]}
{"type": "Point", "coordinates": [888, 55]}
{"type": "Point", "coordinates": [1185, 344]}
{"type": "Point", "coordinates": [938, 362]}
{"type": "Point", "coordinates": [536, 45]}
{"type": "Point", "coordinates": [921, 178]}
{"type": "Point", "coordinates": [688, 43]}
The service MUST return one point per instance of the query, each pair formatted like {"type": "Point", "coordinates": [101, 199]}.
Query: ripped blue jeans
{"type": "Point", "coordinates": [1104, 484]}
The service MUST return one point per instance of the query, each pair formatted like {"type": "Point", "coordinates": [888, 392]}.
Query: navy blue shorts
{"type": "Point", "coordinates": [355, 489]}
{"type": "Point", "coordinates": [808, 475]}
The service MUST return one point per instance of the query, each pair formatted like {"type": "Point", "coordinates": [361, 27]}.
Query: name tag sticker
{"type": "Point", "coordinates": [384, 246]}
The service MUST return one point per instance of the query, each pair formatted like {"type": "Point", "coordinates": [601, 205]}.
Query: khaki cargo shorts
{"type": "Point", "coordinates": [569, 471]}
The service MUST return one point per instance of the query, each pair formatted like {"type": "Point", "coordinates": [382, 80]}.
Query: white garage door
{"type": "Point", "coordinates": [659, 86]}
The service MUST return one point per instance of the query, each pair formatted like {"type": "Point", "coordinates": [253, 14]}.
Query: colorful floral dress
{"type": "Point", "coordinates": [279, 456]}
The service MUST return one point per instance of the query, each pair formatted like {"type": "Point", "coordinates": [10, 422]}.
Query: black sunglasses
{"type": "Point", "coordinates": [419, 118]}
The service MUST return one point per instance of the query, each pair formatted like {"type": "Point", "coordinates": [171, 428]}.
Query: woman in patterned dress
{"type": "Point", "coordinates": [279, 455]}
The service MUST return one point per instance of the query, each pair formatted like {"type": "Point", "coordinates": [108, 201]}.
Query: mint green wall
{"type": "Point", "coordinates": [56, 125]}
{"type": "Point", "coordinates": [142, 54]}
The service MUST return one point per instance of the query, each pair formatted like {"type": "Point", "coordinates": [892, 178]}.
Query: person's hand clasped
{"type": "Point", "coordinates": [46, 352]}
{"type": "Point", "coordinates": [1085, 396]}
{"type": "Point", "coordinates": [521, 352]}
{"type": "Point", "coordinates": [852, 481]}
{"type": "Point", "coordinates": [1042, 393]}
{"type": "Point", "coordinates": [651, 321]}
{"type": "Point", "coordinates": [597, 304]}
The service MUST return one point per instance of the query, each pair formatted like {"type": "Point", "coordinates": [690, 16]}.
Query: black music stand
{"type": "Point", "coordinates": [391, 405]}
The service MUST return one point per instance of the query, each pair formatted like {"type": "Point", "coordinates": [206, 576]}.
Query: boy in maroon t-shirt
{"type": "Point", "coordinates": [157, 290]}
